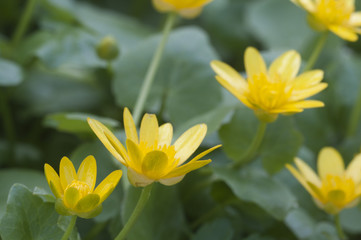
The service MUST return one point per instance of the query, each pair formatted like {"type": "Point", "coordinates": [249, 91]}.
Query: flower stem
{"type": "Point", "coordinates": [24, 22]}
{"type": "Point", "coordinates": [256, 142]}
{"type": "Point", "coordinates": [316, 51]}
{"type": "Point", "coordinates": [152, 70]}
{"type": "Point", "coordinates": [8, 124]}
{"type": "Point", "coordinates": [355, 116]}
{"type": "Point", "coordinates": [70, 228]}
{"type": "Point", "coordinates": [143, 199]}
{"type": "Point", "coordinates": [340, 232]}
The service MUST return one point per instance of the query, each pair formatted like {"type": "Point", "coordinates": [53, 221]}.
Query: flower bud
{"type": "Point", "coordinates": [108, 48]}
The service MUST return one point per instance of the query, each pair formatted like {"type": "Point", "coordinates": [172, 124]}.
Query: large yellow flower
{"type": "Point", "coordinates": [338, 16]}
{"type": "Point", "coordinates": [152, 157]}
{"type": "Point", "coordinates": [273, 91]}
{"type": "Point", "coordinates": [75, 190]}
{"type": "Point", "coordinates": [185, 8]}
{"type": "Point", "coordinates": [335, 188]}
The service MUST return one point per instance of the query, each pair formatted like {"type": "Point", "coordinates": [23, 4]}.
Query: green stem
{"type": "Point", "coordinates": [8, 124]}
{"type": "Point", "coordinates": [355, 116]}
{"type": "Point", "coordinates": [256, 142]}
{"type": "Point", "coordinates": [152, 70]}
{"type": "Point", "coordinates": [316, 52]}
{"type": "Point", "coordinates": [143, 199]}
{"type": "Point", "coordinates": [24, 22]}
{"type": "Point", "coordinates": [70, 228]}
{"type": "Point", "coordinates": [340, 232]}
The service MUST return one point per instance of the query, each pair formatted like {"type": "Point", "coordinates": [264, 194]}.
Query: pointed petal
{"type": "Point", "coordinates": [307, 172]}
{"type": "Point", "coordinates": [186, 168]}
{"type": "Point", "coordinates": [135, 155]}
{"type": "Point", "coordinates": [87, 203]}
{"type": "Point", "coordinates": [71, 197]}
{"type": "Point", "coordinates": [355, 19]}
{"type": "Point", "coordinates": [254, 62]}
{"type": "Point", "coordinates": [345, 33]}
{"type": "Point", "coordinates": [302, 94]}
{"type": "Point", "coordinates": [87, 171]}
{"type": "Point", "coordinates": [106, 187]}
{"type": "Point", "coordinates": [286, 66]}
{"type": "Point", "coordinates": [234, 90]}
{"type": "Point", "coordinates": [149, 129]}
{"type": "Point", "coordinates": [308, 79]}
{"type": "Point", "coordinates": [109, 140]}
{"type": "Point", "coordinates": [129, 126]}
{"type": "Point", "coordinates": [52, 176]}
{"type": "Point", "coordinates": [202, 154]}
{"type": "Point", "coordinates": [165, 134]}
{"type": "Point", "coordinates": [171, 181]}
{"type": "Point", "coordinates": [354, 169]}
{"type": "Point", "coordinates": [230, 76]}
{"type": "Point", "coordinates": [304, 104]}
{"type": "Point", "coordinates": [137, 179]}
{"type": "Point", "coordinates": [330, 162]}
{"type": "Point", "coordinates": [67, 172]}
{"type": "Point", "coordinates": [189, 141]}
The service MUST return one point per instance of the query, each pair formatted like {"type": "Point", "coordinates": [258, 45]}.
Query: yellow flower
{"type": "Point", "coordinates": [335, 188]}
{"type": "Point", "coordinates": [185, 8]}
{"type": "Point", "coordinates": [273, 91]}
{"type": "Point", "coordinates": [75, 192]}
{"type": "Point", "coordinates": [152, 157]}
{"type": "Point", "coordinates": [338, 16]}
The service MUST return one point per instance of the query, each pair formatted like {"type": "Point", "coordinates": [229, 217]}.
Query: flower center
{"type": "Point", "coordinates": [82, 187]}
{"type": "Point", "coordinates": [338, 190]}
{"type": "Point", "coordinates": [335, 12]}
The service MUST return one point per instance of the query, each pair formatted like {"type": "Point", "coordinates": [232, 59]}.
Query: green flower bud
{"type": "Point", "coordinates": [108, 48]}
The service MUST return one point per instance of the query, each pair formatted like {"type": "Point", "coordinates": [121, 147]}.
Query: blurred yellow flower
{"type": "Point", "coordinates": [152, 157]}
{"type": "Point", "coordinates": [273, 91]}
{"type": "Point", "coordinates": [185, 8]}
{"type": "Point", "coordinates": [335, 188]}
{"type": "Point", "coordinates": [75, 190]}
{"type": "Point", "coordinates": [338, 16]}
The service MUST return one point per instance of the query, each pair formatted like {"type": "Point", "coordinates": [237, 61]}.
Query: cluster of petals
{"type": "Point", "coordinates": [185, 8]}
{"type": "Point", "coordinates": [151, 156]}
{"type": "Point", "coordinates": [334, 188]}
{"type": "Point", "coordinates": [74, 191]}
{"type": "Point", "coordinates": [337, 16]}
{"type": "Point", "coordinates": [275, 90]}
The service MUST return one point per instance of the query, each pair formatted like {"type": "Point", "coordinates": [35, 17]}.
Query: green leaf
{"type": "Point", "coordinates": [184, 82]}
{"type": "Point", "coordinates": [264, 191]}
{"type": "Point", "coordinates": [218, 229]}
{"type": "Point", "coordinates": [10, 73]}
{"type": "Point", "coordinates": [350, 219]}
{"type": "Point", "coordinates": [28, 217]}
{"type": "Point", "coordinates": [162, 217]}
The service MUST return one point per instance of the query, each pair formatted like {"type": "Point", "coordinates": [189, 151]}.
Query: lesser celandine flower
{"type": "Point", "coordinates": [152, 157]}
{"type": "Point", "coordinates": [185, 8]}
{"type": "Point", "coordinates": [338, 16]}
{"type": "Point", "coordinates": [75, 191]}
{"type": "Point", "coordinates": [275, 90]}
{"type": "Point", "coordinates": [334, 188]}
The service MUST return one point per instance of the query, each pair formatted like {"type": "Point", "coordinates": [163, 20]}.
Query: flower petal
{"type": "Point", "coordinates": [202, 154]}
{"type": "Point", "coordinates": [87, 172]}
{"type": "Point", "coordinates": [165, 134]}
{"type": "Point", "coordinates": [254, 62]}
{"type": "Point", "coordinates": [191, 12]}
{"type": "Point", "coordinates": [162, 6]}
{"type": "Point", "coordinates": [53, 178]}
{"type": "Point", "coordinates": [302, 94]}
{"type": "Point", "coordinates": [67, 172]}
{"type": "Point", "coordinates": [129, 126]}
{"type": "Point", "coordinates": [186, 168]}
{"type": "Point", "coordinates": [138, 180]}
{"type": "Point", "coordinates": [355, 19]}
{"type": "Point", "coordinates": [304, 104]}
{"type": "Point", "coordinates": [106, 187]}
{"type": "Point", "coordinates": [171, 181]}
{"type": "Point", "coordinates": [308, 173]}
{"type": "Point", "coordinates": [149, 129]}
{"type": "Point", "coordinates": [71, 197]}
{"type": "Point", "coordinates": [286, 66]}
{"type": "Point", "coordinates": [87, 203]}
{"type": "Point", "coordinates": [307, 79]}
{"type": "Point", "coordinates": [330, 162]}
{"type": "Point", "coordinates": [135, 155]}
{"type": "Point", "coordinates": [155, 164]}
{"type": "Point", "coordinates": [189, 141]}
{"type": "Point", "coordinates": [354, 169]}
{"type": "Point", "coordinates": [345, 33]}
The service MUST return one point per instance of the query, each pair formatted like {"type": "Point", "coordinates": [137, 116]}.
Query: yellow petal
{"type": "Point", "coordinates": [202, 154]}
{"type": "Point", "coordinates": [137, 179]}
{"type": "Point", "coordinates": [106, 187]}
{"type": "Point", "coordinates": [171, 181]}
{"type": "Point", "coordinates": [71, 197]}
{"type": "Point", "coordinates": [109, 140]}
{"type": "Point", "coordinates": [231, 76]}
{"type": "Point", "coordinates": [186, 168]}
{"type": "Point", "coordinates": [302, 94]}
{"type": "Point", "coordinates": [189, 141]}
{"type": "Point", "coordinates": [67, 172]}
{"type": "Point", "coordinates": [330, 163]}
{"type": "Point", "coordinates": [254, 62]}
{"type": "Point", "coordinates": [354, 169]}
{"type": "Point", "coordinates": [149, 129]}
{"type": "Point", "coordinates": [52, 176]}
{"type": "Point", "coordinates": [235, 91]}
{"type": "Point", "coordinates": [154, 164]}
{"type": "Point", "coordinates": [308, 173]}
{"type": "Point", "coordinates": [135, 155]}
{"type": "Point", "coordinates": [307, 79]}
{"type": "Point", "coordinates": [165, 134]}
{"type": "Point", "coordinates": [191, 12]}
{"type": "Point", "coordinates": [162, 6]}
{"type": "Point", "coordinates": [345, 33]}
{"type": "Point", "coordinates": [355, 19]}
{"type": "Point", "coordinates": [87, 172]}
{"type": "Point", "coordinates": [129, 126]}
{"type": "Point", "coordinates": [305, 104]}
{"type": "Point", "coordinates": [286, 66]}
{"type": "Point", "coordinates": [87, 203]}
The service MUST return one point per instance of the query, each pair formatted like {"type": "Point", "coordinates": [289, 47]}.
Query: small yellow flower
{"type": "Point", "coordinates": [273, 91]}
{"type": "Point", "coordinates": [152, 157]}
{"type": "Point", "coordinates": [338, 16]}
{"type": "Point", "coordinates": [75, 192]}
{"type": "Point", "coordinates": [335, 188]}
{"type": "Point", "coordinates": [185, 8]}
